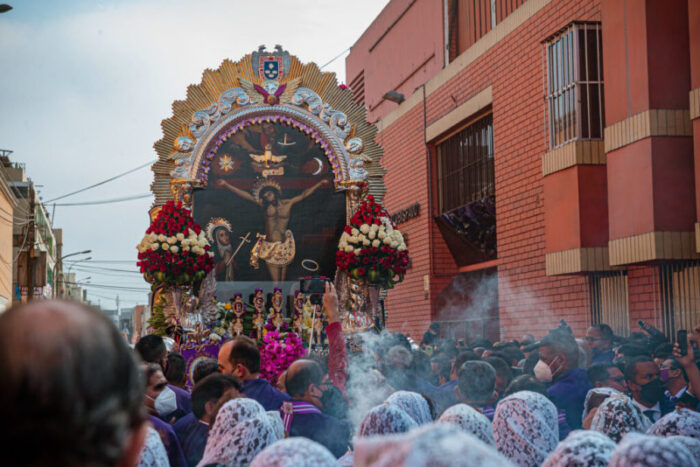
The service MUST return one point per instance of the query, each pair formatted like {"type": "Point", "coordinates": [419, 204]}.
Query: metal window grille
{"type": "Point", "coordinates": [610, 301]}
{"type": "Point", "coordinates": [465, 166]}
{"type": "Point", "coordinates": [680, 296]}
{"type": "Point", "coordinates": [575, 84]}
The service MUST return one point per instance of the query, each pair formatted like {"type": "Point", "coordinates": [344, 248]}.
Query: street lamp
{"type": "Point", "coordinates": [79, 261]}
{"type": "Point", "coordinates": [76, 253]}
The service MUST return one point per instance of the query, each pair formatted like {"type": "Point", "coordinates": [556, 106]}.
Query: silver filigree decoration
{"type": "Point", "coordinates": [184, 144]}
{"type": "Point", "coordinates": [182, 165]}
{"type": "Point", "coordinates": [202, 120]}
{"type": "Point", "coordinates": [354, 145]}
{"type": "Point", "coordinates": [356, 170]}
{"type": "Point", "coordinates": [336, 120]}
{"type": "Point", "coordinates": [306, 97]}
{"type": "Point", "coordinates": [207, 299]}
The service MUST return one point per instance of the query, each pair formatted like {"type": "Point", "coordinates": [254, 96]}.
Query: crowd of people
{"type": "Point", "coordinates": [75, 393]}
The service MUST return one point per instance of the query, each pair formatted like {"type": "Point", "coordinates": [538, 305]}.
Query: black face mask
{"type": "Point", "coordinates": [653, 391]}
{"type": "Point", "coordinates": [333, 403]}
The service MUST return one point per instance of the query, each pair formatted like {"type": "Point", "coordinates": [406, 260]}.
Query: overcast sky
{"type": "Point", "coordinates": [84, 85]}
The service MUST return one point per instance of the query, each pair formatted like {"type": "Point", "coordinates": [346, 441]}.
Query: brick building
{"type": "Point", "coordinates": [552, 148]}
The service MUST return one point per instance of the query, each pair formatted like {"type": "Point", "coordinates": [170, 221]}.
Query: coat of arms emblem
{"type": "Point", "coordinates": [271, 65]}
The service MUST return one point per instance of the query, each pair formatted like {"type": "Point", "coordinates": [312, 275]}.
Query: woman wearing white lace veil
{"type": "Point", "coordinates": [582, 448]}
{"type": "Point", "coordinates": [691, 444]}
{"type": "Point", "coordinates": [470, 420]}
{"type": "Point", "coordinates": [684, 422]}
{"type": "Point", "coordinates": [619, 415]}
{"type": "Point", "coordinates": [295, 452]}
{"type": "Point", "coordinates": [153, 453]}
{"type": "Point", "coordinates": [381, 420]}
{"type": "Point", "coordinates": [638, 450]}
{"type": "Point", "coordinates": [435, 444]}
{"type": "Point", "coordinates": [526, 428]}
{"type": "Point", "coordinates": [595, 397]}
{"type": "Point", "coordinates": [413, 404]}
{"type": "Point", "coordinates": [276, 423]}
{"type": "Point", "coordinates": [242, 429]}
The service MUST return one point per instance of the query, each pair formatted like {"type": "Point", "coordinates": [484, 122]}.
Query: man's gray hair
{"type": "Point", "coordinates": [71, 391]}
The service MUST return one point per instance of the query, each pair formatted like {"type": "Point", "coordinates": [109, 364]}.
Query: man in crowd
{"type": "Point", "coordinates": [647, 389]}
{"type": "Point", "coordinates": [306, 384]}
{"type": "Point", "coordinates": [504, 373]}
{"type": "Point", "coordinates": [71, 388]}
{"type": "Point", "coordinates": [673, 376]}
{"type": "Point", "coordinates": [445, 396]}
{"type": "Point", "coordinates": [477, 387]}
{"type": "Point", "coordinates": [152, 349]}
{"type": "Point", "coordinates": [559, 351]}
{"type": "Point", "coordinates": [244, 361]}
{"type": "Point", "coordinates": [204, 368]}
{"type": "Point", "coordinates": [176, 370]}
{"type": "Point", "coordinates": [431, 337]}
{"type": "Point", "coordinates": [602, 375]}
{"type": "Point", "coordinates": [302, 415]}
{"type": "Point", "coordinates": [599, 340]}
{"type": "Point", "coordinates": [193, 428]}
{"type": "Point", "coordinates": [159, 399]}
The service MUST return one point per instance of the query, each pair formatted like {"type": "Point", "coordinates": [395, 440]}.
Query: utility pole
{"type": "Point", "coordinates": [30, 242]}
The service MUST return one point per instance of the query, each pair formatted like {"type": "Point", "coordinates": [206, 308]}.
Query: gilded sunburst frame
{"type": "Point", "coordinates": [238, 94]}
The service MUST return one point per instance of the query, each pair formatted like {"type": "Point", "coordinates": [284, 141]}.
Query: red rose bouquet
{"type": "Point", "coordinates": [371, 248]}
{"type": "Point", "coordinates": [174, 250]}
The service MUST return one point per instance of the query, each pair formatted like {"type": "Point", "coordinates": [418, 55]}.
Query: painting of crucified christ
{"type": "Point", "coordinates": [271, 206]}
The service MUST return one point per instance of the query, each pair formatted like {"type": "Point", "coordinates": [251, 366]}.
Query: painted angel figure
{"type": "Point", "coordinates": [276, 310]}
{"type": "Point", "coordinates": [298, 314]}
{"type": "Point", "coordinates": [238, 309]}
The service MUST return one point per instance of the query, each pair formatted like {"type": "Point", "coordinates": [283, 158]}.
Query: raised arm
{"type": "Point", "coordinates": [308, 192]}
{"type": "Point", "coordinates": [337, 354]}
{"type": "Point", "coordinates": [241, 193]}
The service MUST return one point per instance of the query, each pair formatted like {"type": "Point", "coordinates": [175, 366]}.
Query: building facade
{"type": "Point", "coordinates": [544, 156]}
{"type": "Point", "coordinates": [8, 203]}
{"type": "Point", "coordinates": [35, 251]}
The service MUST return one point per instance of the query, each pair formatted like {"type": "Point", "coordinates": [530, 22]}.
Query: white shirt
{"type": "Point", "coordinates": [656, 408]}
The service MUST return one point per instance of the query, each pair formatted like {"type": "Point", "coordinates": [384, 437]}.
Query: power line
{"type": "Point", "coordinates": [106, 201]}
{"type": "Point", "coordinates": [98, 268]}
{"type": "Point", "coordinates": [95, 261]}
{"type": "Point", "coordinates": [102, 182]}
{"type": "Point", "coordinates": [335, 58]}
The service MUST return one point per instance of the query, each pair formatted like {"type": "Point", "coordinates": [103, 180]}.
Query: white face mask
{"type": "Point", "coordinates": [542, 372]}
{"type": "Point", "coordinates": [166, 402]}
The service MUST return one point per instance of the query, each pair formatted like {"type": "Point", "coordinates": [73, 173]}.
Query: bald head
{"type": "Point", "coordinates": [74, 387]}
{"type": "Point", "coordinates": [300, 375]}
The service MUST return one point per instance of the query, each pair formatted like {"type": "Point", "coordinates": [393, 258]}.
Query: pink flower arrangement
{"type": "Point", "coordinates": [277, 353]}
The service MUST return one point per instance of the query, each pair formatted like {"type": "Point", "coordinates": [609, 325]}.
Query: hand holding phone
{"type": "Point", "coordinates": [682, 339]}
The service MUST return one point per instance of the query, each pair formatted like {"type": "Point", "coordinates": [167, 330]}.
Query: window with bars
{"type": "Point", "coordinates": [609, 300]}
{"type": "Point", "coordinates": [465, 166]}
{"type": "Point", "coordinates": [679, 295]}
{"type": "Point", "coordinates": [575, 84]}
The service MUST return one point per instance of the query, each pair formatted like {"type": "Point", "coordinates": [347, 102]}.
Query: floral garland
{"type": "Point", "coordinates": [174, 250]}
{"type": "Point", "coordinates": [371, 248]}
{"type": "Point", "coordinates": [277, 353]}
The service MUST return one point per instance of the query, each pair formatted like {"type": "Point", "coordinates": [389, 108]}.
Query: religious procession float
{"type": "Point", "coordinates": [268, 183]}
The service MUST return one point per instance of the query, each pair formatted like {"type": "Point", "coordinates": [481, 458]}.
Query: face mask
{"type": "Point", "coordinates": [166, 402]}
{"type": "Point", "coordinates": [542, 372]}
{"type": "Point", "coordinates": [653, 391]}
{"type": "Point", "coordinates": [663, 375]}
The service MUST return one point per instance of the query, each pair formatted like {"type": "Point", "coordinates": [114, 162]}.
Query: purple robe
{"type": "Point", "coordinates": [192, 434]}
{"type": "Point", "coordinates": [170, 441]}
{"type": "Point", "coordinates": [311, 423]}
{"type": "Point", "coordinates": [263, 392]}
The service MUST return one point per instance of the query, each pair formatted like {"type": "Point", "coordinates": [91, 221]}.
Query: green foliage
{"type": "Point", "coordinates": [157, 320]}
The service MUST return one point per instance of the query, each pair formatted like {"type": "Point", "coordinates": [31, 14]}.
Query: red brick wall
{"type": "Point", "coordinates": [529, 301]}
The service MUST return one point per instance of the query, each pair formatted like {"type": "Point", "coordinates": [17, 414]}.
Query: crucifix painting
{"type": "Point", "coordinates": [270, 199]}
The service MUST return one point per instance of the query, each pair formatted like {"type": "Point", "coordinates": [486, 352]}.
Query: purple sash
{"type": "Point", "coordinates": [289, 408]}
